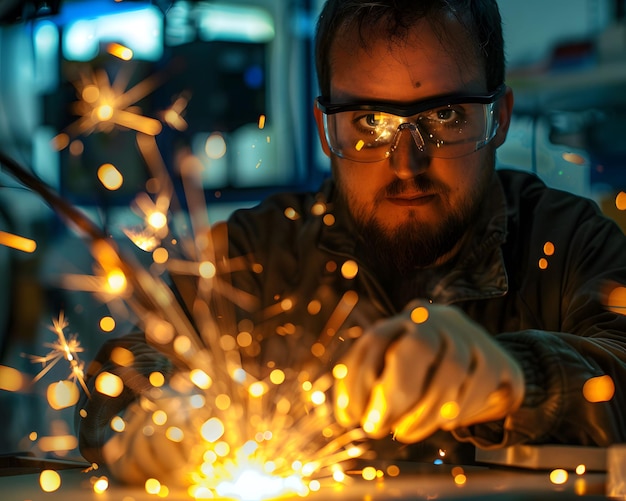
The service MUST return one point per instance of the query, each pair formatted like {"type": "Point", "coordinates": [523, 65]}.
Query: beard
{"type": "Point", "coordinates": [414, 243]}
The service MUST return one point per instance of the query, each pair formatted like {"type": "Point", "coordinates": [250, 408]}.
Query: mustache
{"type": "Point", "coordinates": [418, 183]}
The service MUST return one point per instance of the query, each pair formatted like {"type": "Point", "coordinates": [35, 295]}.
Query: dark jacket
{"type": "Point", "coordinates": [548, 309]}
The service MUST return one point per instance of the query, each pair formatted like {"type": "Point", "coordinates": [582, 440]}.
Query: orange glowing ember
{"type": "Point", "coordinates": [17, 242]}
{"type": "Point", "coordinates": [599, 389]}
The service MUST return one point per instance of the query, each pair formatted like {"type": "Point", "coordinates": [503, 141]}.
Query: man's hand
{"type": "Point", "coordinates": [429, 368]}
{"type": "Point", "coordinates": [160, 440]}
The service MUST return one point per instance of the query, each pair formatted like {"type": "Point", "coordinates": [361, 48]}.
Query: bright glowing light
{"type": "Point", "coordinates": [339, 476]}
{"type": "Point", "coordinates": [160, 255]}
{"type": "Point", "coordinates": [340, 371]}
{"type": "Point", "coordinates": [212, 430]}
{"type": "Point", "coordinates": [156, 379]}
{"type": "Point", "coordinates": [207, 269]}
{"type": "Point", "coordinates": [449, 410]}
{"type": "Point", "coordinates": [157, 220]}
{"type": "Point", "coordinates": [118, 424]}
{"type": "Point", "coordinates": [257, 389]}
{"type": "Point", "coordinates": [548, 248]}
{"type": "Point", "coordinates": [107, 324]}
{"type": "Point", "coordinates": [62, 394]}
{"type": "Point", "coordinates": [318, 209]}
{"type": "Point", "coordinates": [349, 269]}
{"type": "Point", "coordinates": [378, 406]}
{"type": "Point", "coordinates": [118, 50]}
{"type": "Point", "coordinates": [58, 443]}
{"type": "Point", "coordinates": [201, 379]}
{"type": "Point", "coordinates": [175, 434]}
{"type": "Point", "coordinates": [110, 177]}
{"type": "Point", "coordinates": [215, 146]}
{"type": "Point", "coordinates": [290, 213]}
{"type": "Point", "coordinates": [369, 473]}
{"type": "Point", "coordinates": [277, 376]}
{"type": "Point", "coordinates": [254, 485]}
{"type": "Point", "coordinates": [116, 281]}
{"type": "Point", "coordinates": [49, 480]}
{"type": "Point", "coordinates": [109, 384]}
{"type": "Point", "coordinates": [64, 348]}
{"type": "Point", "coordinates": [152, 486]}
{"type": "Point", "coordinates": [17, 242]}
{"type": "Point", "coordinates": [244, 339]}
{"type": "Point", "coordinates": [10, 379]}
{"type": "Point", "coordinates": [460, 479]}
{"type": "Point", "coordinates": [122, 356]}
{"type": "Point", "coordinates": [235, 23]}
{"type": "Point", "coordinates": [318, 397]}
{"type": "Point", "coordinates": [599, 389]}
{"type": "Point", "coordinates": [419, 315]}
{"type": "Point", "coordinates": [101, 485]}
{"type": "Point", "coordinates": [138, 28]}
{"type": "Point", "coordinates": [558, 476]}
{"type": "Point", "coordinates": [103, 112]}
{"type": "Point", "coordinates": [159, 417]}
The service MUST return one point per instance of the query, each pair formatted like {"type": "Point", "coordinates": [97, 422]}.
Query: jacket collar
{"type": "Point", "coordinates": [479, 272]}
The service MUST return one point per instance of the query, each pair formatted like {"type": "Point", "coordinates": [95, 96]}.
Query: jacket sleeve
{"type": "Point", "coordinates": [95, 410]}
{"type": "Point", "coordinates": [573, 337]}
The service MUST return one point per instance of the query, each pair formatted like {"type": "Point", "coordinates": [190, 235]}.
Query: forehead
{"type": "Point", "coordinates": [431, 60]}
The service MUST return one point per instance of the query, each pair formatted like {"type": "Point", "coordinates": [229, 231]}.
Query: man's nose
{"type": "Point", "coordinates": [407, 155]}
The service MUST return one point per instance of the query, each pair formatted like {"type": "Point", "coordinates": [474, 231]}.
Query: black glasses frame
{"type": "Point", "coordinates": [412, 109]}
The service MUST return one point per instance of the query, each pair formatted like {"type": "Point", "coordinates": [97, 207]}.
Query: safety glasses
{"type": "Point", "coordinates": [444, 127]}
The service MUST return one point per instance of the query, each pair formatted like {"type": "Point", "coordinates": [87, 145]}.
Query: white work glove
{"type": "Point", "coordinates": [148, 449]}
{"type": "Point", "coordinates": [410, 375]}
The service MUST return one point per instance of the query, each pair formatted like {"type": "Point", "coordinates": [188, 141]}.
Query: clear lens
{"type": "Point", "coordinates": [447, 132]}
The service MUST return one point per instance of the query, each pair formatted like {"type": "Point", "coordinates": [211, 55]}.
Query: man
{"type": "Point", "coordinates": [481, 294]}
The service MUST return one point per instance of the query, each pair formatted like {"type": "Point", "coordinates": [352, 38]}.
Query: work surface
{"type": "Point", "coordinates": [415, 482]}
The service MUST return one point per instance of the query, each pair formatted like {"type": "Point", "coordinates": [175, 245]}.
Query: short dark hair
{"type": "Point", "coordinates": [394, 19]}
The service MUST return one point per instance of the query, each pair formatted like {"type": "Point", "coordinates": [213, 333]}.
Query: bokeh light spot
{"type": "Point", "coordinates": [599, 389]}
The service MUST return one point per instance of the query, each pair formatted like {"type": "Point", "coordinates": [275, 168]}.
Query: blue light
{"type": "Point", "coordinates": [141, 30]}
{"type": "Point", "coordinates": [253, 76]}
{"type": "Point", "coordinates": [235, 24]}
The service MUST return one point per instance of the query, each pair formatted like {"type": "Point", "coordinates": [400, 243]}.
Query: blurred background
{"type": "Point", "coordinates": [92, 91]}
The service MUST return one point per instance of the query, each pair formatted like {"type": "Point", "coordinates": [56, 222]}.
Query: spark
{"type": "Point", "coordinates": [17, 242]}
{"type": "Point", "coordinates": [64, 348]}
{"type": "Point", "coordinates": [103, 105]}
{"type": "Point", "coordinates": [271, 426]}
{"type": "Point", "coordinates": [174, 115]}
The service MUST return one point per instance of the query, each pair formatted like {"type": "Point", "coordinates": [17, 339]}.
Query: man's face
{"type": "Point", "coordinates": [410, 206]}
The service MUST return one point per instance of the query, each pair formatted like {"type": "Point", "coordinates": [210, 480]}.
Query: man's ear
{"type": "Point", "coordinates": [319, 120]}
{"type": "Point", "coordinates": [505, 110]}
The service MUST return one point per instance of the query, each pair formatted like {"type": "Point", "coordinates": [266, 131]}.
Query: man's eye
{"type": "Point", "coordinates": [443, 115]}
{"type": "Point", "coordinates": [373, 120]}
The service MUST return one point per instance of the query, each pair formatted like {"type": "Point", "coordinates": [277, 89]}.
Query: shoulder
{"type": "Point", "coordinates": [527, 194]}
{"type": "Point", "coordinates": [575, 225]}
